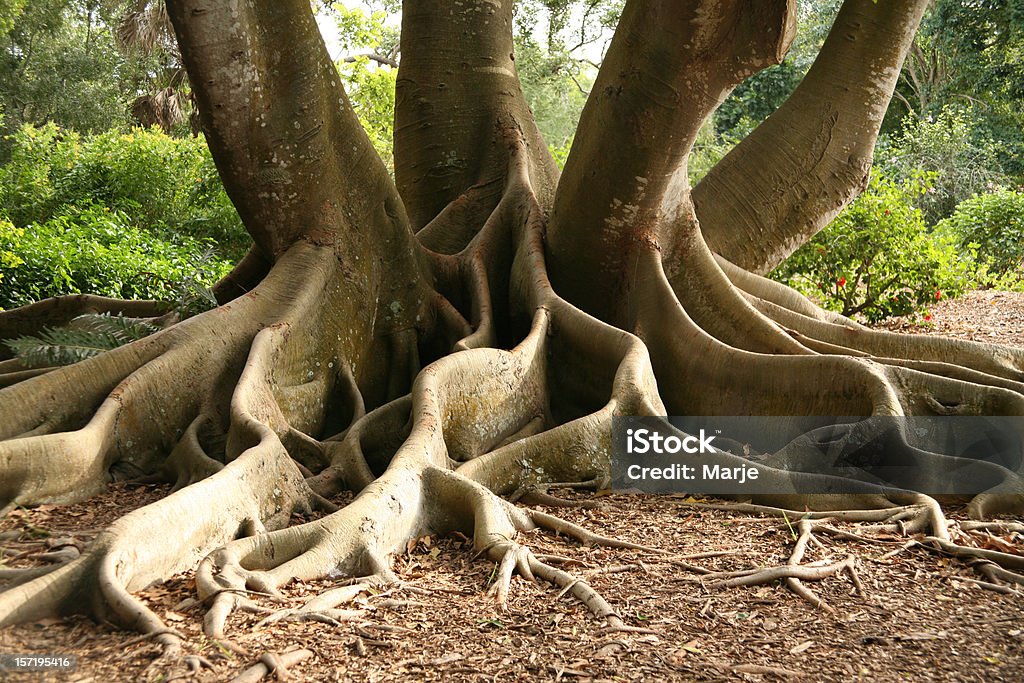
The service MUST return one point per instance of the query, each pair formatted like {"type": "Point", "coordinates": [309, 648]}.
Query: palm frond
{"type": "Point", "coordinates": [145, 26]}
{"type": "Point", "coordinates": [164, 108]}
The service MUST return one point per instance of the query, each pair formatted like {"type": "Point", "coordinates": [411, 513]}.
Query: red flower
{"type": "Point", "coordinates": [938, 294]}
{"type": "Point", "coordinates": [887, 212]}
{"type": "Point", "coordinates": [841, 282]}
{"type": "Point", "coordinates": [927, 316]}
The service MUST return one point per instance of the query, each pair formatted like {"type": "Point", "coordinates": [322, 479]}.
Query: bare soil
{"type": "Point", "coordinates": [922, 618]}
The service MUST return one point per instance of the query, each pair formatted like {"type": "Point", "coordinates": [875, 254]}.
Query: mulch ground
{"type": "Point", "coordinates": [922, 617]}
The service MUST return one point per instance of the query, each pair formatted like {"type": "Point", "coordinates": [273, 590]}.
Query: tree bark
{"type": "Point", "coordinates": [790, 177]}
{"type": "Point", "coordinates": [457, 94]}
{"type": "Point", "coordinates": [665, 72]}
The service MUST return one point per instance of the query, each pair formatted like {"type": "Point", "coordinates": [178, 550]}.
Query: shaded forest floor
{"type": "Point", "coordinates": [923, 617]}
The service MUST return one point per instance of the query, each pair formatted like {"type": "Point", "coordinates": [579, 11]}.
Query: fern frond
{"type": "Point", "coordinates": [84, 337]}
{"type": "Point", "coordinates": [124, 329]}
{"type": "Point", "coordinates": [61, 346]}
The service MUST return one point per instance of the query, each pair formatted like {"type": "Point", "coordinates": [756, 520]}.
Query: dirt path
{"type": "Point", "coordinates": [922, 618]}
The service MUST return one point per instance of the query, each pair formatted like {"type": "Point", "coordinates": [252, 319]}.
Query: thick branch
{"type": "Point", "coordinates": [799, 168]}
{"type": "Point", "coordinates": [668, 67]}
{"type": "Point", "coordinates": [457, 91]}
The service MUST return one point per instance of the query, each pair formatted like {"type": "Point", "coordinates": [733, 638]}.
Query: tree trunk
{"type": "Point", "coordinates": [789, 178]}
{"type": "Point", "coordinates": [470, 334]}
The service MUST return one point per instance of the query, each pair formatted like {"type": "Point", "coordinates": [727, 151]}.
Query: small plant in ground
{"type": "Point", "coordinates": [877, 258]}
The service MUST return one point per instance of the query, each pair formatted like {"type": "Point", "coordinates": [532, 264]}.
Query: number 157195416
{"type": "Point", "coordinates": [36, 662]}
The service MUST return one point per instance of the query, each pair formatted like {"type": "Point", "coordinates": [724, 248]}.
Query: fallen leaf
{"type": "Point", "coordinates": [802, 647]}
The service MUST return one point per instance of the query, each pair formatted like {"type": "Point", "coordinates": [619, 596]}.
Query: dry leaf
{"type": "Point", "coordinates": [801, 647]}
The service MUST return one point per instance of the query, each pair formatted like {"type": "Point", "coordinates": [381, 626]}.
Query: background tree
{"type": "Point", "coordinates": [57, 64]}
{"type": "Point", "coordinates": [469, 330]}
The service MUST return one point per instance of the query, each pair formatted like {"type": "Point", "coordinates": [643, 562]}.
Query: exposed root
{"type": "Point", "coordinates": [587, 538]}
{"type": "Point", "coordinates": [923, 519]}
{"type": "Point", "coordinates": [535, 496]}
{"type": "Point", "coordinates": [322, 608]}
{"type": "Point", "coordinates": [277, 664]}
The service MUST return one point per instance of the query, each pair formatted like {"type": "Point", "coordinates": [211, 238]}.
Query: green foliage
{"type": "Point", "coordinates": [10, 10]}
{"type": "Point", "coordinates": [91, 248]}
{"type": "Point", "coordinates": [877, 258]}
{"type": "Point", "coordinates": [59, 62]}
{"type": "Point", "coordinates": [961, 158]}
{"type": "Point", "coordinates": [84, 337]}
{"type": "Point", "coordinates": [365, 38]}
{"type": "Point", "coordinates": [168, 186]}
{"type": "Point", "coordinates": [372, 92]}
{"type": "Point", "coordinates": [192, 294]}
{"type": "Point", "coordinates": [9, 235]}
{"type": "Point", "coordinates": [708, 150]}
{"type": "Point", "coordinates": [990, 227]}
{"type": "Point", "coordinates": [972, 51]}
{"type": "Point", "coordinates": [755, 99]}
{"type": "Point", "coordinates": [362, 28]}
{"type": "Point", "coordinates": [556, 88]}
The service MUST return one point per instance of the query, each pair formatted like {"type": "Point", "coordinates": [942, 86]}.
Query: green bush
{"type": "Point", "coordinates": [168, 186]}
{"type": "Point", "coordinates": [990, 227]}
{"type": "Point", "coordinates": [125, 215]}
{"type": "Point", "coordinates": [963, 159]}
{"type": "Point", "coordinates": [877, 258]}
{"type": "Point", "coordinates": [91, 248]}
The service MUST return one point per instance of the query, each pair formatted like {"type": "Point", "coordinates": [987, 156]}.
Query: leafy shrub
{"type": "Point", "coordinates": [962, 158]}
{"type": "Point", "coordinates": [124, 215]}
{"type": "Point", "coordinates": [8, 257]}
{"type": "Point", "coordinates": [91, 248]}
{"type": "Point", "coordinates": [168, 186]}
{"type": "Point", "coordinates": [990, 227]}
{"type": "Point", "coordinates": [877, 258]}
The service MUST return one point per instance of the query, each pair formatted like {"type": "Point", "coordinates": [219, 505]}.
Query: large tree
{"type": "Point", "coordinates": [466, 333]}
